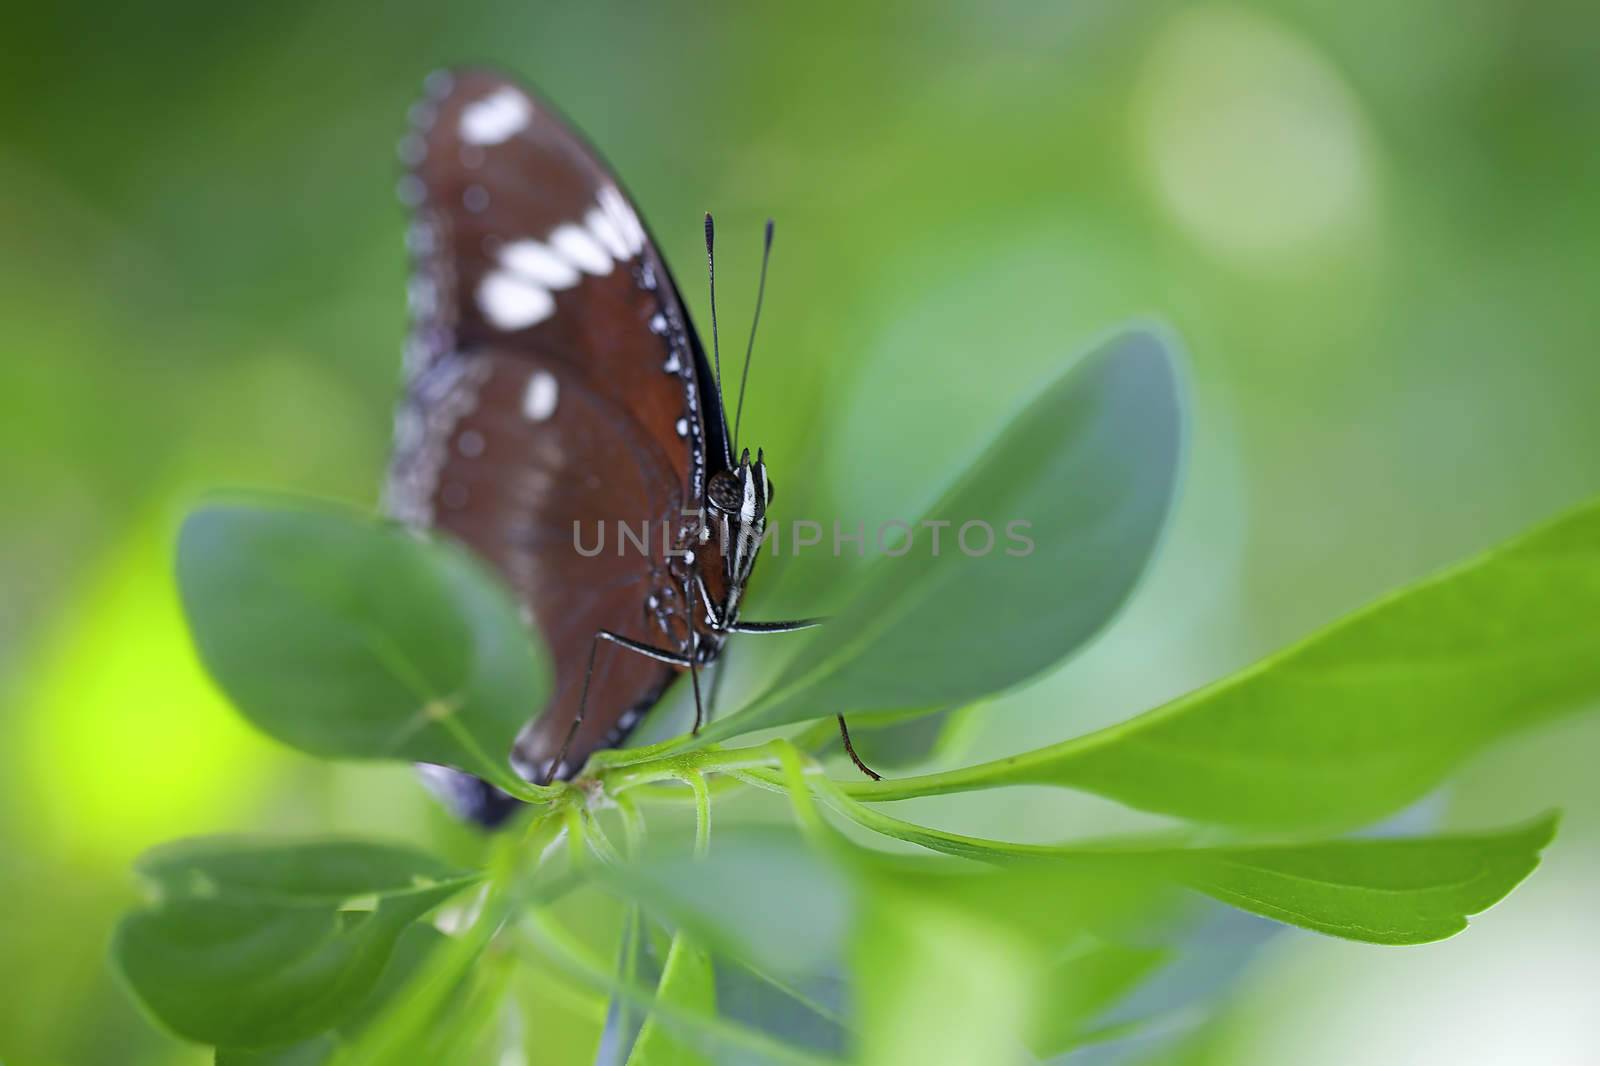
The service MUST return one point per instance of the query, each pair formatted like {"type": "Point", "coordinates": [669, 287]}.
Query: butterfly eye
{"type": "Point", "coordinates": [724, 493]}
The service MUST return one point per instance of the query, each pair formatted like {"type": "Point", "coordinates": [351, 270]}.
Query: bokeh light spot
{"type": "Point", "coordinates": [1252, 141]}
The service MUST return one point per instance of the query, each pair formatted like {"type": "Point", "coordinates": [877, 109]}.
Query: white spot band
{"type": "Point", "coordinates": [512, 302]}
{"type": "Point", "coordinates": [496, 118]}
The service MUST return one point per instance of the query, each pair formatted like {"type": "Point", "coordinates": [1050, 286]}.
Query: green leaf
{"type": "Point", "coordinates": [415, 945]}
{"type": "Point", "coordinates": [1384, 891]}
{"type": "Point", "coordinates": [252, 944]}
{"type": "Point", "coordinates": [1359, 719]}
{"type": "Point", "coordinates": [348, 637]}
{"type": "Point", "coordinates": [937, 942]}
{"type": "Point", "coordinates": [687, 981]}
{"type": "Point", "coordinates": [1405, 891]}
{"type": "Point", "coordinates": [1091, 464]}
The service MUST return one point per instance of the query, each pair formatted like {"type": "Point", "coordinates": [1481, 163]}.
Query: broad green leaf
{"type": "Point", "coordinates": [251, 944]}
{"type": "Point", "coordinates": [1359, 719]}
{"type": "Point", "coordinates": [415, 945]}
{"type": "Point", "coordinates": [1385, 891]}
{"type": "Point", "coordinates": [1090, 466]}
{"type": "Point", "coordinates": [687, 981]}
{"type": "Point", "coordinates": [1396, 891]}
{"type": "Point", "coordinates": [349, 637]}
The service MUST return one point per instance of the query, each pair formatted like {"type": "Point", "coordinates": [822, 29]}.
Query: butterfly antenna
{"type": "Point", "coordinates": [744, 375]}
{"type": "Point", "coordinates": [711, 273]}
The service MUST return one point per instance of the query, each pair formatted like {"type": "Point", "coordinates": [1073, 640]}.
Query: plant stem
{"type": "Point", "coordinates": [702, 813]}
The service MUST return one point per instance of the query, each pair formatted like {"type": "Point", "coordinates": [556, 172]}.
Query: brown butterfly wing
{"type": "Point", "coordinates": [554, 385]}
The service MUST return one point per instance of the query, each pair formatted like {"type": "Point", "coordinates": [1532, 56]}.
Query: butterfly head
{"type": "Point", "coordinates": [737, 509]}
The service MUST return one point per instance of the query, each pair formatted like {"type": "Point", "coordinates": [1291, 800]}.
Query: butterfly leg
{"type": "Point", "coordinates": [774, 627]}
{"type": "Point", "coordinates": [850, 749]}
{"type": "Point", "coordinates": [648, 651]}
{"type": "Point", "coordinates": [699, 708]}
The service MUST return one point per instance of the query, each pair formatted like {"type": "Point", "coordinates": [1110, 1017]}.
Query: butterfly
{"type": "Point", "coordinates": [555, 390]}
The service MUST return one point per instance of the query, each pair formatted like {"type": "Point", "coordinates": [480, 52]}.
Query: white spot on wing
{"type": "Point", "coordinates": [536, 262]}
{"type": "Point", "coordinates": [581, 249]}
{"type": "Point", "coordinates": [496, 118]}
{"type": "Point", "coordinates": [510, 301]}
{"type": "Point", "coordinates": [605, 230]}
{"type": "Point", "coordinates": [539, 400]}
{"type": "Point", "coordinates": [613, 203]}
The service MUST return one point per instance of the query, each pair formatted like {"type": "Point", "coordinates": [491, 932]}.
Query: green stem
{"type": "Point", "coordinates": [632, 824]}
{"type": "Point", "coordinates": [702, 813]}
{"type": "Point", "coordinates": [599, 842]}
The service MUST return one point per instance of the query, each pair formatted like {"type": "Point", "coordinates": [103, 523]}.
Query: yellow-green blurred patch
{"type": "Point", "coordinates": [124, 740]}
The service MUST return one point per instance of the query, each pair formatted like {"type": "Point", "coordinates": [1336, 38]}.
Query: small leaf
{"type": "Point", "coordinates": [1085, 473]}
{"type": "Point", "coordinates": [251, 944]}
{"type": "Point", "coordinates": [1405, 891]}
{"type": "Point", "coordinates": [687, 981]}
{"type": "Point", "coordinates": [1359, 719]}
{"type": "Point", "coordinates": [1383, 891]}
{"type": "Point", "coordinates": [415, 945]}
{"type": "Point", "coordinates": [348, 637]}
{"type": "Point", "coordinates": [1387, 891]}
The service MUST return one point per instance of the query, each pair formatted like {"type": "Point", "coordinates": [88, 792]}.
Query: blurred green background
{"type": "Point", "coordinates": [1374, 225]}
